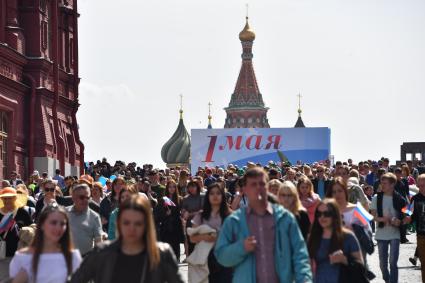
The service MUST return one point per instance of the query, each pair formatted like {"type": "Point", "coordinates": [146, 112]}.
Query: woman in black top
{"type": "Point", "coordinates": [136, 256]}
{"type": "Point", "coordinates": [171, 227]}
{"type": "Point", "coordinates": [11, 206]}
{"type": "Point", "coordinates": [288, 197]}
{"type": "Point", "coordinates": [109, 203]}
{"type": "Point", "coordinates": [192, 203]}
{"type": "Point", "coordinates": [213, 214]}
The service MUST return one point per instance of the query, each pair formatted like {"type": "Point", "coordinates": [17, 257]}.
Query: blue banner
{"type": "Point", "coordinates": [220, 147]}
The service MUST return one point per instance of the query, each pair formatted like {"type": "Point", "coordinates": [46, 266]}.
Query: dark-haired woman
{"type": "Point", "coordinates": [171, 229]}
{"type": "Point", "coordinates": [215, 210]}
{"type": "Point", "coordinates": [112, 226]}
{"type": "Point", "coordinates": [50, 257]}
{"type": "Point", "coordinates": [192, 203]}
{"type": "Point", "coordinates": [109, 203]}
{"type": "Point", "coordinates": [330, 245]}
{"type": "Point", "coordinates": [136, 256]}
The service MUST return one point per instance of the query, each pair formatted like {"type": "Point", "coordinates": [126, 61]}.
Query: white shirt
{"type": "Point", "coordinates": [51, 266]}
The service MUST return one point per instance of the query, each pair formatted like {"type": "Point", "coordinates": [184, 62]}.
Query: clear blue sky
{"type": "Point", "coordinates": [359, 65]}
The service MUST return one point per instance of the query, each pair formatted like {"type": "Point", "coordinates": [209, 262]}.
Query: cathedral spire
{"type": "Point", "coordinates": [299, 104]}
{"type": "Point", "coordinates": [246, 108]}
{"type": "Point", "coordinates": [209, 116]}
{"type": "Point", "coordinates": [299, 123]}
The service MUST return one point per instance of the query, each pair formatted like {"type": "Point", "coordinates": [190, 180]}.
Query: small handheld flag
{"type": "Point", "coordinates": [361, 214]}
{"type": "Point", "coordinates": [168, 201]}
{"type": "Point", "coordinates": [407, 210]}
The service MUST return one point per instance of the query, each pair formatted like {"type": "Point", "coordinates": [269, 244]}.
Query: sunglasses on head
{"type": "Point", "coordinates": [326, 213]}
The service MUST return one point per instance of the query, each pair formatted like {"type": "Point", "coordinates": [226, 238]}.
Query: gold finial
{"type": "Point", "coordinates": [299, 104]}
{"type": "Point", "coordinates": [247, 34]}
{"type": "Point", "coordinates": [247, 9]}
{"type": "Point", "coordinates": [209, 113]}
{"type": "Point", "coordinates": [181, 106]}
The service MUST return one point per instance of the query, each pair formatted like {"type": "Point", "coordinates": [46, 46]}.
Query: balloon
{"type": "Point", "coordinates": [102, 180]}
{"type": "Point", "coordinates": [113, 177]}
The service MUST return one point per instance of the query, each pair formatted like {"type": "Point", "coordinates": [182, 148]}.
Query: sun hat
{"type": "Point", "coordinates": [86, 179]}
{"type": "Point", "coordinates": [21, 199]}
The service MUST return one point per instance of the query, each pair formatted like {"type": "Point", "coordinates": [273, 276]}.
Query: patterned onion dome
{"type": "Point", "coordinates": [177, 149]}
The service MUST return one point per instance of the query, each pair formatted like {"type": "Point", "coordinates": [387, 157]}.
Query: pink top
{"type": "Point", "coordinates": [411, 180]}
{"type": "Point", "coordinates": [310, 205]}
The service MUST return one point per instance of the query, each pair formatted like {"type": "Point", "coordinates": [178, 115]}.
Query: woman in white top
{"type": "Point", "coordinates": [339, 192]}
{"type": "Point", "coordinates": [50, 257]}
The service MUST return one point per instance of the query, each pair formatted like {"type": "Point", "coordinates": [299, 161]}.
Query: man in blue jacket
{"type": "Point", "coordinates": [262, 242]}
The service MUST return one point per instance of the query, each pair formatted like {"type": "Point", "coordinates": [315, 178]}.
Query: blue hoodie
{"type": "Point", "coordinates": [291, 257]}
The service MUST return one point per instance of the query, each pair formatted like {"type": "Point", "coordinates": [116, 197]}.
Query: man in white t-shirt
{"type": "Point", "coordinates": [386, 208]}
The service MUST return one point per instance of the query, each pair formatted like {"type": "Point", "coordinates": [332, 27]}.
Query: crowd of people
{"type": "Point", "coordinates": [256, 223]}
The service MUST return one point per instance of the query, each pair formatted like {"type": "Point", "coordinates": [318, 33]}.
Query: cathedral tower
{"type": "Point", "coordinates": [246, 108]}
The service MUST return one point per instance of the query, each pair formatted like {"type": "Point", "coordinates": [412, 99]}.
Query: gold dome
{"type": "Point", "coordinates": [247, 34]}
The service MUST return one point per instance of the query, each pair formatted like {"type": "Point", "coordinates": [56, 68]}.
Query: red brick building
{"type": "Point", "coordinates": [246, 108]}
{"type": "Point", "coordinates": [39, 87]}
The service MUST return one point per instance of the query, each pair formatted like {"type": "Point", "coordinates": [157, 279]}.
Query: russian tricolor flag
{"type": "Point", "coordinates": [7, 222]}
{"type": "Point", "coordinates": [168, 201]}
{"type": "Point", "coordinates": [407, 209]}
{"type": "Point", "coordinates": [361, 214]}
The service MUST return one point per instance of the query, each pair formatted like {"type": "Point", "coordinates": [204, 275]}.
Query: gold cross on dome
{"type": "Point", "coordinates": [299, 102]}
{"type": "Point", "coordinates": [181, 106]}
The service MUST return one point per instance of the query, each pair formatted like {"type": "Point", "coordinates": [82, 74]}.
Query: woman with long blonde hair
{"type": "Point", "coordinates": [308, 197]}
{"type": "Point", "coordinates": [288, 197]}
{"type": "Point", "coordinates": [135, 256]}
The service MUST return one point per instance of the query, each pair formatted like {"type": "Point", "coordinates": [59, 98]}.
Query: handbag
{"type": "Point", "coordinates": [354, 272]}
{"type": "Point", "coordinates": [3, 246]}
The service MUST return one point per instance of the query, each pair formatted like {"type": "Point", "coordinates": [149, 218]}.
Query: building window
{"type": "Point", "coordinates": [3, 144]}
{"type": "Point", "coordinates": [45, 35]}
{"type": "Point", "coordinates": [71, 52]}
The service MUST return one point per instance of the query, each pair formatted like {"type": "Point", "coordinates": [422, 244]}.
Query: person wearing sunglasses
{"type": "Point", "coordinates": [85, 223]}
{"type": "Point", "coordinates": [51, 256]}
{"type": "Point", "coordinates": [48, 195]}
{"type": "Point", "coordinates": [330, 245]}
